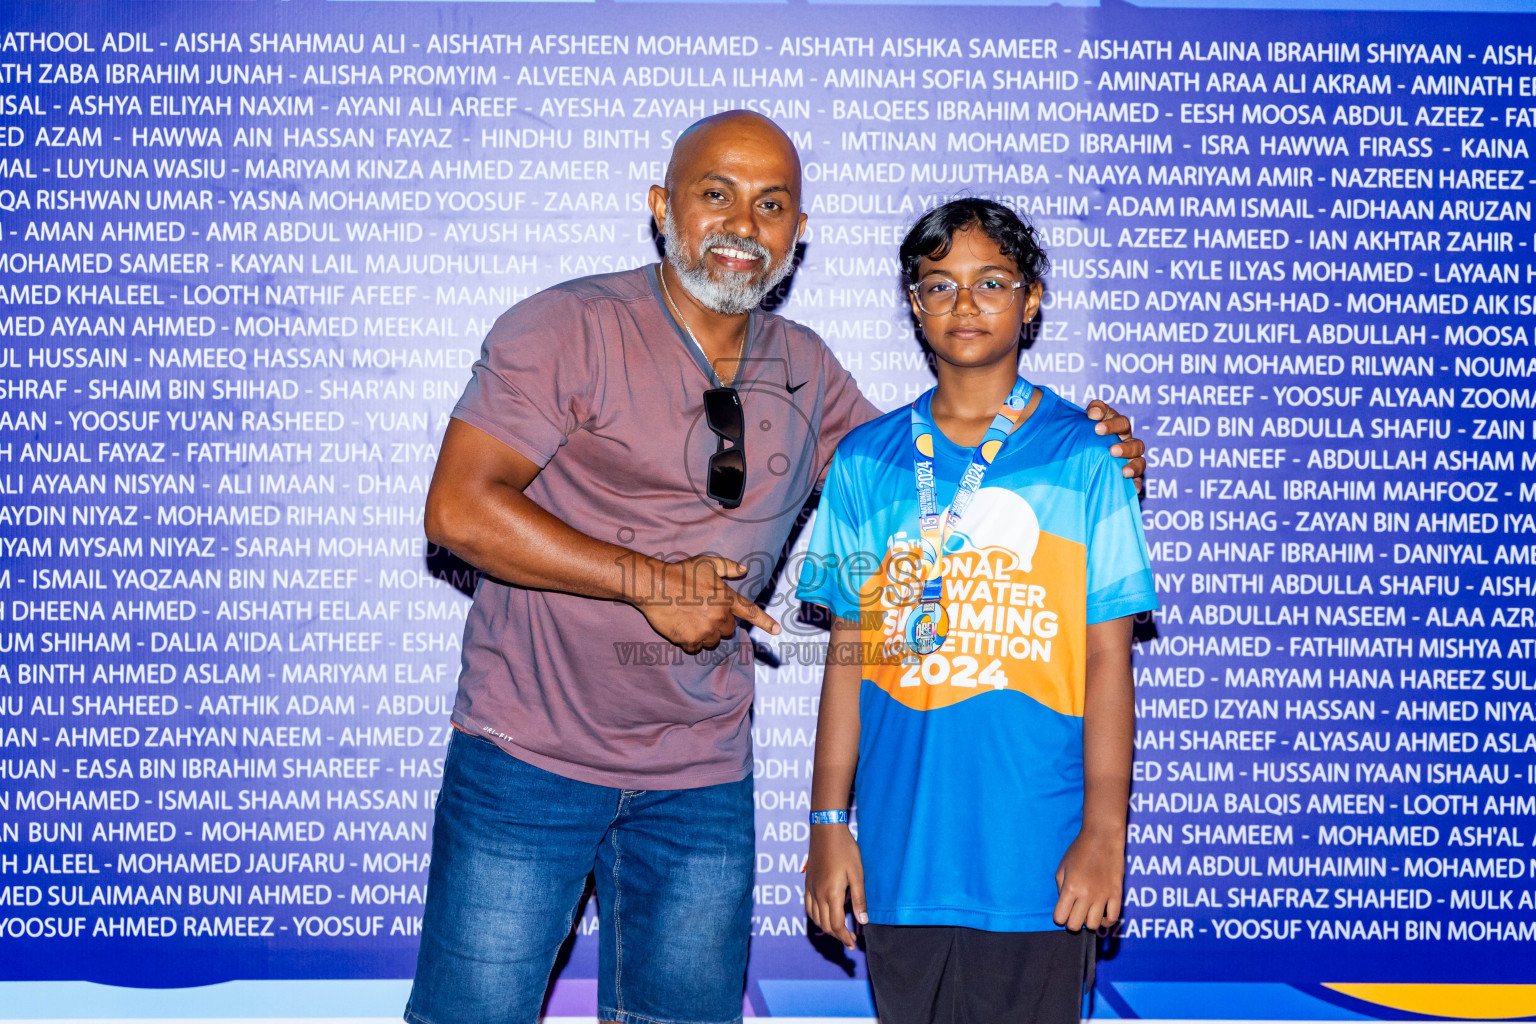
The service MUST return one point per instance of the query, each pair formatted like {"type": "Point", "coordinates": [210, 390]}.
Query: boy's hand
{"type": "Point", "coordinates": [1091, 879]}
{"type": "Point", "coordinates": [833, 871]}
{"type": "Point", "coordinates": [1130, 449]}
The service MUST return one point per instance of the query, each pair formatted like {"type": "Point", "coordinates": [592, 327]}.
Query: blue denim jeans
{"type": "Point", "coordinates": [512, 846]}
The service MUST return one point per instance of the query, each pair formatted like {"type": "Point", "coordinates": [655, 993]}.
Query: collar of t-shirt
{"type": "Point", "coordinates": [749, 356]}
{"type": "Point", "coordinates": [951, 460]}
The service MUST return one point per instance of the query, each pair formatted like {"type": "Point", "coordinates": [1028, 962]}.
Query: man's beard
{"type": "Point", "coordinates": [739, 292]}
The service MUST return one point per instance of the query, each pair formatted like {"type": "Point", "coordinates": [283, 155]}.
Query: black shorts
{"type": "Point", "coordinates": [949, 975]}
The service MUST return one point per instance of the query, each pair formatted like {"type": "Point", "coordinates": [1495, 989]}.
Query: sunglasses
{"type": "Point", "coordinates": [728, 466]}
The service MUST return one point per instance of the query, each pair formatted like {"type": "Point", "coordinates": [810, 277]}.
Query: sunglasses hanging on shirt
{"type": "Point", "coordinates": [722, 412]}
{"type": "Point", "coordinates": [728, 466]}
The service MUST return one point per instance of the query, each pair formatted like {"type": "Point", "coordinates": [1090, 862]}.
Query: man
{"type": "Point", "coordinates": [628, 445]}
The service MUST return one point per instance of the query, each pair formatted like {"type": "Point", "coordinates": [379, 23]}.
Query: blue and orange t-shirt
{"type": "Point", "coordinates": [970, 778]}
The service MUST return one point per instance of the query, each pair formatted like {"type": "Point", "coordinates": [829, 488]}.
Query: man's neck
{"type": "Point", "coordinates": [720, 335]}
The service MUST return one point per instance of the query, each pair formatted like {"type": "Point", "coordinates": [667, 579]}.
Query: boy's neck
{"type": "Point", "coordinates": [967, 399]}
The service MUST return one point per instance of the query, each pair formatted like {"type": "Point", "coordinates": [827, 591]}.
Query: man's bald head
{"type": "Point", "coordinates": [702, 142]}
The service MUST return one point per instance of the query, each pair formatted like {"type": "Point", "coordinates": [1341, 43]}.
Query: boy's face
{"type": "Point", "coordinates": [975, 276]}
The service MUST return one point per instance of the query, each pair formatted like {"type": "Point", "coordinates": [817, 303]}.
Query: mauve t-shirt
{"type": "Point", "coordinates": [595, 382]}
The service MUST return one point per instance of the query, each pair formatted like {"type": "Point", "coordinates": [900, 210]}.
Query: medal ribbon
{"type": "Point", "coordinates": [935, 526]}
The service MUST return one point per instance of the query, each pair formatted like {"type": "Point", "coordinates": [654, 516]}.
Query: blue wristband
{"type": "Point", "coordinates": [829, 817]}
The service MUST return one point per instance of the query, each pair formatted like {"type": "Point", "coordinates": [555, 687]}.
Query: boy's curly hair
{"type": "Point", "coordinates": [935, 232]}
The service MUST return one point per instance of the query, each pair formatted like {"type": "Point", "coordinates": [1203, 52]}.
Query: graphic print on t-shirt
{"type": "Point", "coordinates": [1013, 600]}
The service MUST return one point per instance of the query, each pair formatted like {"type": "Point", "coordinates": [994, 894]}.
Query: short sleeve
{"type": "Point", "coordinates": [539, 376]}
{"type": "Point", "coordinates": [1119, 567]}
{"type": "Point", "coordinates": [843, 408]}
{"type": "Point", "coordinates": [835, 564]}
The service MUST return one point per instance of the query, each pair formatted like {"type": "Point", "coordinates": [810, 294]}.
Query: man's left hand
{"type": "Point", "coordinates": [1128, 447]}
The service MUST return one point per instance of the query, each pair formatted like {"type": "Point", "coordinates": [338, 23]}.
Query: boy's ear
{"type": "Point", "coordinates": [1032, 303]}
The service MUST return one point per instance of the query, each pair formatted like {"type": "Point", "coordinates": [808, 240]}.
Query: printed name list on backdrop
{"type": "Point", "coordinates": [249, 254]}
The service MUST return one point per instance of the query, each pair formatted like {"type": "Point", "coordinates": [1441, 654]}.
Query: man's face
{"type": "Point", "coordinates": [731, 216]}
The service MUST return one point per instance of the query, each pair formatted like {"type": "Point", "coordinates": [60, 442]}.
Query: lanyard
{"type": "Point", "coordinates": [926, 626]}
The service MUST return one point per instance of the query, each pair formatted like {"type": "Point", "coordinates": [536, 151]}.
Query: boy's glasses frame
{"type": "Point", "coordinates": [986, 300]}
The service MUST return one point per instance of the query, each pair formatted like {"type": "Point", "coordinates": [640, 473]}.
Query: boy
{"type": "Point", "coordinates": [985, 696]}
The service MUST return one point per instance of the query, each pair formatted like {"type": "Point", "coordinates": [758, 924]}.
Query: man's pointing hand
{"type": "Point", "coordinates": [695, 608]}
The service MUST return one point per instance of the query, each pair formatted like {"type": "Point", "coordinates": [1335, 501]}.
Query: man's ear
{"type": "Point", "coordinates": [656, 199]}
{"type": "Point", "coordinates": [800, 229]}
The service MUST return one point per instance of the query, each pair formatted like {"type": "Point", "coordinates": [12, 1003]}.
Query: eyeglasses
{"type": "Point", "coordinates": [728, 466]}
{"type": "Point", "coordinates": [938, 295]}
